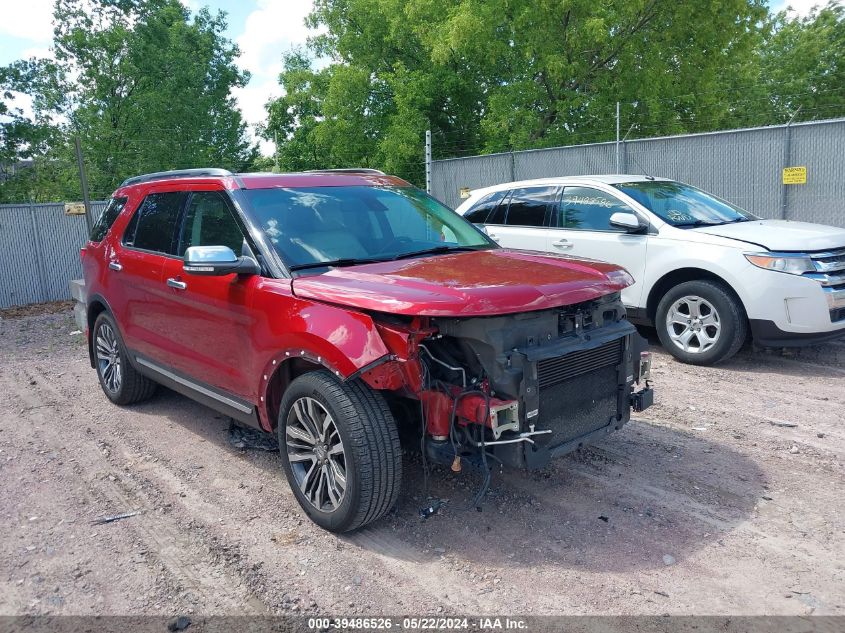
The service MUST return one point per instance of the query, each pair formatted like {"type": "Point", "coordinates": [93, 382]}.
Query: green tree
{"type": "Point", "coordinates": [493, 75]}
{"type": "Point", "coordinates": [144, 84]}
{"type": "Point", "coordinates": [802, 65]}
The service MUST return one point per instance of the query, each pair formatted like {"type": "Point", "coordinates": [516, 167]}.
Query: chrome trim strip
{"type": "Point", "coordinates": [829, 267]}
{"type": "Point", "coordinates": [826, 279]}
{"type": "Point", "coordinates": [189, 383]}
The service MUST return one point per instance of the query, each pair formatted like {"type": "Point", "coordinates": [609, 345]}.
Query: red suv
{"type": "Point", "coordinates": [337, 308]}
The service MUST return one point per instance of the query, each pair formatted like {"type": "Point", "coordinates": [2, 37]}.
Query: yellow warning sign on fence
{"type": "Point", "coordinates": [465, 193]}
{"type": "Point", "coordinates": [795, 175]}
{"type": "Point", "coordinates": [74, 208]}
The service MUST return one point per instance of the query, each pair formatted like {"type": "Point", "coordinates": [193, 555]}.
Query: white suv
{"type": "Point", "coordinates": [705, 270]}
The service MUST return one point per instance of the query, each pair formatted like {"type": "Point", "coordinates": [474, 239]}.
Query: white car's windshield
{"type": "Point", "coordinates": [683, 205]}
{"type": "Point", "coordinates": [317, 227]}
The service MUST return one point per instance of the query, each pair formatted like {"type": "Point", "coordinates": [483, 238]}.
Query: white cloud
{"type": "Point", "coordinates": [30, 20]}
{"type": "Point", "coordinates": [270, 31]}
{"type": "Point", "coordinates": [40, 52]}
{"type": "Point", "coordinates": [800, 8]}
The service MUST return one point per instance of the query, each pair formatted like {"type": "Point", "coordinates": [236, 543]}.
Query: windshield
{"type": "Point", "coordinates": [683, 205]}
{"type": "Point", "coordinates": [341, 226]}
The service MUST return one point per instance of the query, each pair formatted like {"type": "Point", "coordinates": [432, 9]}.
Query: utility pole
{"type": "Point", "coordinates": [618, 163]}
{"type": "Point", "coordinates": [83, 181]}
{"type": "Point", "coordinates": [428, 162]}
{"type": "Point", "coordinates": [276, 149]}
{"type": "Point", "coordinates": [787, 159]}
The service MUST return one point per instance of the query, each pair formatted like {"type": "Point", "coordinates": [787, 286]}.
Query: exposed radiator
{"type": "Point", "coordinates": [552, 371]}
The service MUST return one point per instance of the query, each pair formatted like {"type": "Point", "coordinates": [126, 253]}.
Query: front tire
{"type": "Point", "coordinates": [121, 383]}
{"type": "Point", "coordinates": [340, 451]}
{"type": "Point", "coordinates": [701, 322]}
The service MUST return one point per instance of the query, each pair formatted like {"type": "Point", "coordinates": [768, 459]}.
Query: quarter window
{"type": "Point", "coordinates": [497, 215]}
{"type": "Point", "coordinates": [154, 225]}
{"type": "Point", "coordinates": [481, 211]}
{"type": "Point", "coordinates": [209, 222]}
{"type": "Point", "coordinates": [107, 218]}
{"type": "Point", "coordinates": [588, 209]}
{"type": "Point", "coordinates": [528, 206]}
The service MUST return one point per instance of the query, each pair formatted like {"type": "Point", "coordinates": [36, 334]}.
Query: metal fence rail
{"type": "Point", "coordinates": [39, 251]}
{"type": "Point", "coordinates": [742, 166]}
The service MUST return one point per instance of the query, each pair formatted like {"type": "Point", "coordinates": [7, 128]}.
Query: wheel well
{"type": "Point", "coordinates": [669, 280]}
{"type": "Point", "coordinates": [285, 373]}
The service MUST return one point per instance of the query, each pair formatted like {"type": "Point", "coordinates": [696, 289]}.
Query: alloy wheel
{"type": "Point", "coordinates": [108, 358]}
{"type": "Point", "coordinates": [693, 324]}
{"type": "Point", "coordinates": [316, 455]}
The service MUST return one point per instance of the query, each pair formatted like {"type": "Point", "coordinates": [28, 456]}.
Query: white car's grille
{"type": "Point", "coordinates": [831, 275]}
{"type": "Point", "coordinates": [830, 261]}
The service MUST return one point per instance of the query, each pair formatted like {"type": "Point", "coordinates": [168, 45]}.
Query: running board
{"type": "Point", "coordinates": [219, 400]}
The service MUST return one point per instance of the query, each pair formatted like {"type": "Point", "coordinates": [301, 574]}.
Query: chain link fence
{"type": "Point", "coordinates": [39, 251]}
{"type": "Point", "coordinates": [743, 166]}
{"type": "Point", "coordinates": [39, 244]}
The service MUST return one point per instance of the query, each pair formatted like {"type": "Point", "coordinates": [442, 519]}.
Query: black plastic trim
{"type": "Point", "coordinates": [637, 316]}
{"type": "Point", "coordinates": [767, 334]}
{"type": "Point", "coordinates": [208, 395]}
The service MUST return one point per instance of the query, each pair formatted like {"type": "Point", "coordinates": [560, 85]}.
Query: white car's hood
{"type": "Point", "coordinates": [781, 235]}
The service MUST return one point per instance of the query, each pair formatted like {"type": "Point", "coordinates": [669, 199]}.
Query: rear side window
{"type": "Point", "coordinates": [154, 225]}
{"type": "Point", "coordinates": [497, 215]}
{"type": "Point", "coordinates": [209, 222]}
{"type": "Point", "coordinates": [482, 209]}
{"type": "Point", "coordinates": [528, 206]}
{"type": "Point", "coordinates": [106, 219]}
{"type": "Point", "coordinates": [588, 209]}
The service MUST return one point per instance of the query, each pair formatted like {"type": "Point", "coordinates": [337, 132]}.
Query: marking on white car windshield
{"type": "Point", "coordinates": [599, 202]}
{"type": "Point", "coordinates": [679, 216]}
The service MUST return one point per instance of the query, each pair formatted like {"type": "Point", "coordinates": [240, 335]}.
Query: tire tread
{"type": "Point", "coordinates": [375, 436]}
{"type": "Point", "coordinates": [135, 387]}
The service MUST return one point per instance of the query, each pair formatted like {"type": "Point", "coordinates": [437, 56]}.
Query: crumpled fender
{"type": "Point", "coordinates": [341, 340]}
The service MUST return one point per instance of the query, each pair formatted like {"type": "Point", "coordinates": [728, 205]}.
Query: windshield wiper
{"type": "Point", "coordinates": [699, 223]}
{"type": "Point", "coordinates": [346, 261]}
{"type": "Point", "coordinates": [437, 249]}
{"type": "Point", "coordinates": [719, 223]}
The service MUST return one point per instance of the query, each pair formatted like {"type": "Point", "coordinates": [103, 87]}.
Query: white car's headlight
{"type": "Point", "coordinates": [621, 277]}
{"type": "Point", "coordinates": [796, 264]}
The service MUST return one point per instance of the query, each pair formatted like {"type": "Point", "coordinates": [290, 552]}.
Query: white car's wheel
{"type": "Point", "coordinates": [701, 322]}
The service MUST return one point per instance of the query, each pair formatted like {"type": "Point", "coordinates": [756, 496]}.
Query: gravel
{"type": "Point", "coordinates": [725, 520]}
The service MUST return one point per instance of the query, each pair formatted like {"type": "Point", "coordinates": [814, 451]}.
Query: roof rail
{"type": "Point", "coordinates": [347, 170]}
{"type": "Point", "coordinates": [176, 173]}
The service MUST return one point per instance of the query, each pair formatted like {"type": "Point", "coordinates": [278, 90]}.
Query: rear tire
{"type": "Point", "coordinates": [121, 383]}
{"type": "Point", "coordinates": [340, 451]}
{"type": "Point", "coordinates": [701, 322]}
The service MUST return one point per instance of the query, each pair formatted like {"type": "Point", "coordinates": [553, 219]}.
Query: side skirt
{"type": "Point", "coordinates": [212, 397]}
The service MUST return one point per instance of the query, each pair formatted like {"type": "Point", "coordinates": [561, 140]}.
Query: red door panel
{"type": "Point", "coordinates": [209, 327]}
{"type": "Point", "coordinates": [134, 287]}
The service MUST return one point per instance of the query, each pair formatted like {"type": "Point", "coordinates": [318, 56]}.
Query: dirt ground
{"type": "Point", "coordinates": [726, 497]}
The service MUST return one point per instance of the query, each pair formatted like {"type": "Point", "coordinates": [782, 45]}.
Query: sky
{"type": "Point", "coordinates": [263, 29]}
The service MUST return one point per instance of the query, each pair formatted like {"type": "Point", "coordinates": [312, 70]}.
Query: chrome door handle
{"type": "Point", "coordinates": [563, 244]}
{"type": "Point", "coordinates": [175, 283]}
{"type": "Point", "coordinates": [116, 266]}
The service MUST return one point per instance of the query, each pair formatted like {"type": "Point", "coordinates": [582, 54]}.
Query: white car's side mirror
{"type": "Point", "coordinates": [627, 221]}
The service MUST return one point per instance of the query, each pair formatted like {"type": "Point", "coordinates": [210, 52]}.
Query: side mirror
{"type": "Point", "coordinates": [216, 261]}
{"type": "Point", "coordinates": [627, 221]}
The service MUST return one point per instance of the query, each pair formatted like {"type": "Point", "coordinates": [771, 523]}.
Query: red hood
{"type": "Point", "coordinates": [477, 283]}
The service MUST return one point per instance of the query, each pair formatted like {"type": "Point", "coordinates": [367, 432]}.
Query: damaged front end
{"type": "Point", "coordinates": [527, 387]}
